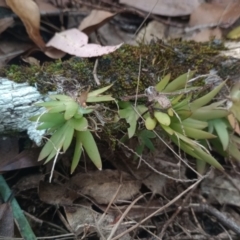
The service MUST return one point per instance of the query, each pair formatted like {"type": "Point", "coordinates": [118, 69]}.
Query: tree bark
{"type": "Point", "coordinates": [17, 106]}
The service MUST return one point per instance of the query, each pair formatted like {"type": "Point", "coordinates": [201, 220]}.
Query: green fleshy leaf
{"type": "Point", "coordinates": [179, 83]}
{"type": "Point", "coordinates": [197, 153]}
{"type": "Point", "coordinates": [48, 125]}
{"type": "Point", "coordinates": [202, 155]}
{"type": "Point", "coordinates": [194, 123]}
{"type": "Point", "coordinates": [90, 147]}
{"type": "Point", "coordinates": [50, 104]}
{"type": "Point", "coordinates": [98, 91]}
{"type": "Point", "coordinates": [167, 129]}
{"type": "Point", "coordinates": [202, 101]}
{"type": "Point", "coordinates": [68, 136]}
{"type": "Point", "coordinates": [71, 110]}
{"type": "Point", "coordinates": [146, 133]}
{"type": "Point", "coordinates": [162, 118]}
{"type": "Point", "coordinates": [52, 143]}
{"type": "Point", "coordinates": [57, 109]}
{"type": "Point", "coordinates": [184, 104]}
{"type": "Point", "coordinates": [185, 139]}
{"type": "Point", "coordinates": [80, 124]}
{"type": "Point", "coordinates": [205, 114]}
{"type": "Point", "coordinates": [77, 154]}
{"type": "Point", "coordinates": [48, 117]}
{"type": "Point", "coordinates": [176, 100]}
{"type": "Point", "coordinates": [222, 132]}
{"type": "Point", "coordinates": [163, 83]}
{"type": "Point", "coordinates": [131, 117]}
{"type": "Point", "coordinates": [192, 132]}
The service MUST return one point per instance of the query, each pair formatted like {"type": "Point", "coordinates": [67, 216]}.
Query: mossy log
{"type": "Point", "coordinates": [129, 66]}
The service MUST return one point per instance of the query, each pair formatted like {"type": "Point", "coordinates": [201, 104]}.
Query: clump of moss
{"type": "Point", "coordinates": [122, 66]}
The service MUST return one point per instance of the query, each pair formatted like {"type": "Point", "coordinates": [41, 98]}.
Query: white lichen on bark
{"type": "Point", "coordinates": [17, 106]}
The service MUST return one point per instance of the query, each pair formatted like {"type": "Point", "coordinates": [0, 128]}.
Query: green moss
{"type": "Point", "coordinates": [122, 66]}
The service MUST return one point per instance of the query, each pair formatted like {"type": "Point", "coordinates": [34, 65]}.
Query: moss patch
{"type": "Point", "coordinates": [122, 67]}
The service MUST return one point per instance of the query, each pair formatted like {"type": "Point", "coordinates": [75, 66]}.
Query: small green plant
{"type": "Point", "coordinates": [193, 125]}
{"type": "Point", "coordinates": [65, 119]}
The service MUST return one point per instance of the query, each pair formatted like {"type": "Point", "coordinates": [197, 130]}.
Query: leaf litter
{"type": "Point", "coordinates": [99, 188]}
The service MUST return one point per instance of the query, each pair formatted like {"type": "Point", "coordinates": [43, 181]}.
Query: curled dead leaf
{"type": "Point", "coordinates": [28, 12]}
{"type": "Point", "coordinates": [95, 20]}
{"type": "Point", "coordinates": [75, 42]}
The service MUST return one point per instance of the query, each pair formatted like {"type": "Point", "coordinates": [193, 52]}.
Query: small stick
{"type": "Point", "coordinates": [95, 72]}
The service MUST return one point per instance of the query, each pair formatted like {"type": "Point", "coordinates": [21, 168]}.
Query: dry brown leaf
{"type": "Point", "coordinates": [28, 12]}
{"type": "Point", "coordinates": [6, 221]}
{"type": "Point", "coordinates": [102, 185]}
{"type": "Point", "coordinates": [74, 42]}
{"type": "Point", "coordinates": [56, 194]}
{"type": "Point", "coordinates": [32, 61]}
{"type": "Point", "coordinates": [95, 20]}
{"type": "Point", "coordinates": [47, 8]}
{"type": "Point", "coordinates": [220, 189]}
{"type": "Point", "coordinates": [5, 23]}
{"type": "Point", "coordinates": [171, 8]}
{"type": "Point", "coordinates": [3, 3]}
{"type": "Point", "coordinates": [215, 14]}
{"type": "Point", "coordinates": [204, 35]}
{"type": "Point", "coordinates": [154, 30]}
{"type": "Point", "coordinates": [27, 158]}
{"type": "Point", "coordinates": [54, 53]}
{"type": "Point", "coordinates": [10, 49]}
{"type": "Point", "coordinates": [29, 182]}
{"type": "Point", "coordinates": [234, 123]}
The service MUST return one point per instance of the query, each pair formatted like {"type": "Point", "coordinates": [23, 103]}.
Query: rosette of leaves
{"type": "Point", "coordinates": [190, 124]}
{"type": "Point", "coordinates": [65, 120]}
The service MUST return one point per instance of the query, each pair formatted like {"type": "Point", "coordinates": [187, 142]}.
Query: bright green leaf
{"type": "Point", "coordinates": [205, 114]}
{"type": "Point", "coordinates": [192, 132]}
{"type": "Point", "coordinates": [222, 132]}
{"type": "Point", "coordinates": [48, 125]}
{"type": "Point", "coordinates": [163, 83]}
{"type": "Point", "coordinates": [179, 83]}
{"type": "Point", "coordinates": [48, 117]}
{"type": "Point", "coordinates": [71, 110]}
{"type": "Point", "coordinates": [77, 154]}
{"type": "Point", "coordinates": [131, 117]}
{"type": "Point", "coordinates": [202, 101]}
{"type": "Point", "coordinates": [194, 123]}
{"type": "Point", "coordinates": [90, 147]}
{"type": "Point", "coordinates": [57, 109]}
{"type": "Point", "coordinates": [80, 124]}
{"type": "Point", "coordinates": [98, 91]}
{"type": "Point", "coordinates": [68, 136]}
{"type": "Point", "coordinates": [53, 142]}
{"type": "Point", "coordinates": [162, 118]}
